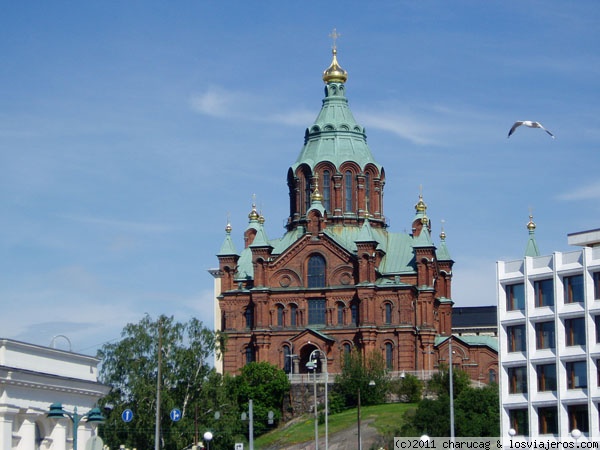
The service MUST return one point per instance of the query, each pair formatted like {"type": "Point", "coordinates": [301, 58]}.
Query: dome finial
{"type": "Point", "coordinates": [253, 214]}
{"type": "Point", "coordinates": [443, 232]}
{"type": "Point", "coordinates": [334, 73]}
{"type": "Point", "coordinates": [316, 196]}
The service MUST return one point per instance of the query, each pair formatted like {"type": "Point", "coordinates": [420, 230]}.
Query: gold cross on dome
{"type": "Point", "coordinates": [334, 35]}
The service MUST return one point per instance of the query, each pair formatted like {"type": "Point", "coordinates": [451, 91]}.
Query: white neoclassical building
{"type": "Point", "coordinates": [33, 377]}
{"type": "Point", "coordinates": [549, 340]}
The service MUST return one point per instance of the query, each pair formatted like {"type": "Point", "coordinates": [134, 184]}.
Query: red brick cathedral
{"type": "Point", "coordinates": [337, 279]}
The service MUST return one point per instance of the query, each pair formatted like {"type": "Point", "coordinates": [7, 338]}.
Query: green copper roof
{"type": "Point", "coordinates": [228, 248]}
{"type": "Point", "coordinates": [335, 135]}
{"type": "Point", "coordinates": [532, 248]}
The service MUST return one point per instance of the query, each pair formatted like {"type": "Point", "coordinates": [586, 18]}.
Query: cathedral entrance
{"type": "Point", "coordinates": [305, 353]}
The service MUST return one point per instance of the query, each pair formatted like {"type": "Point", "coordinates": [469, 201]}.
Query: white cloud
{"type": "Point", "coordinates": [144, 227]}
{"type": "Point", "coordinates": [588, 192]}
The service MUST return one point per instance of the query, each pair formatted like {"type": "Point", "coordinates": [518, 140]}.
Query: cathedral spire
{"type": "Point", "coordinates": [334, 73]}
{"type": "Point", "coordinates": [532, 248]}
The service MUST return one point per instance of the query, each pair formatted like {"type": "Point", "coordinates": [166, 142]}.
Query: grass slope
{"type": "Point", "coordinates": [386, 418]}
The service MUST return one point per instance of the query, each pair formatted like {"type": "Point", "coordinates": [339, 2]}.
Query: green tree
{"type": "Point", "coordinates": [477, 412]}
{"type": "Point", "coordinates": [264, 384]}
{"type": "Point", "coordinates": [409, 388]}
{"type": "Point", "coordinates": [439, 384]}
{"type": "Point", "coordinates": [130, 366]}
{"type": "Point", "coordinates": [367, 374]}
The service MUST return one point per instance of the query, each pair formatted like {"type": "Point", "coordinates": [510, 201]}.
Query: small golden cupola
{"type": "Point", "coordinates": [334, 73]}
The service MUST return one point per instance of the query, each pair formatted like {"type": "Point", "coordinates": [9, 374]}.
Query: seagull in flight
{"type": "Point", "coordinates": [527, 123]}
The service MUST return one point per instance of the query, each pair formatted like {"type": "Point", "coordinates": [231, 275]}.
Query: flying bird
{"type": "Point", "coordinates": [527, 123]}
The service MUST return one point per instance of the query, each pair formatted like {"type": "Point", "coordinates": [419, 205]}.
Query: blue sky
{"type": "Point", "coordinates": [130, 130]}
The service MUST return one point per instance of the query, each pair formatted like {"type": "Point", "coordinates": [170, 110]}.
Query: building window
{"type": "Point", "coordinates": [287, 359]}
{"type": "Point", "coordinates": [306, 192]}
{"type": "Point", "coordinates": [492, 376]}
{"type": "Point", "coordinates": [388, 313]}
{"type": "Point", "coordinates": [293, 315]}
{"type": "Point", "coordinates": [327, 190]}
{"type": "Point", "coordinates": [516, 338]}
{"type": "Point", "coordinates": [517, 378]}
{"type": "Point", "coordinates": [578, 418]}
{"type": "Point", "coordinates": [340, 314]}
{"type": "Point", "coordinates": [544, 335]}
{"type": "Point", "coordinates": [548, 420]}
{"type": "Point", "coordinates": [279, 315]}
{"type": "Point", "coordinates": [515, 297]}
{"type": "Point", "coordinates": [354, 312]}
{"type": "Point", "coordinates": [249, 354]}
{"type": "Point", "coordinates": [546, 377]}
{"type": "Point", "coordinates": [597, 323]}
{"type": "Point", "coordinates": [544, 293]}
{"type": "Point", "coordinates": [573, 289]}
{"type": "Point", "coordinates": [348, 191]}
{"type": "Point", "coordinates": [347, 348]}
{"type": "Point", "coordinates": [519, 421]}
{"type": "Point", "coordinates": [367, 190]}
{"type": "Point", "coordinates": [389, 356]}
{"type": "Point", "coordinates": [249, 317]}
{"type": "Point", "coordinates": [316, 311]}
{"type": "Point", "coordinates": [596, 277]}
{"type": "Point", "coordinates": [316, 271]}
{"type": "Point", "coordinates": [575, 331]}
{"type": "Point", "coordinates": [576, 375]}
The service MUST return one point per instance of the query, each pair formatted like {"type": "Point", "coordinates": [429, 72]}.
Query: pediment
{"type": "Point", "coordinates": [310, 335]}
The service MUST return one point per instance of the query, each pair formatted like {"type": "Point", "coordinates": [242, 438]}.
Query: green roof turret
{"type": "Point", "coordinates": [532, 248]}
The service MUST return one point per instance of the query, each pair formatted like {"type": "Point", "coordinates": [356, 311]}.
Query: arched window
{"type": "Point", "coordinates": [306, 192]}
{"type": "Point", "coordinates": [354, 311]}
{"type": "Point", "coordinates": [327, 190]}
{"type": "Point", "coordinates": [348, 191]}
{"type": "Point", "coordinates": [249, 354]}
{"type": "Point", "coordinates": [389, 356]}
{"type": "Point", "coordinates": [287, 359]}
{"type": "Point", "coordinates": [316, 271]}
{"type": "Point", "coordinates": [340, 314]}
{"type": "Point", "coordinates": [347, 348]}
{"type": "Point", "coordinates": [249, 316]}
{"type": "Point", "coordinates": [279, 315]}
{"type": "Point", "coordinates": [492, 376]}
{"type": "Point", "coordinates": [293, 315]}
{"type": "Point", "coordinates": [388, 313]}
{"type": "Point", "coordinates": [367, 191]}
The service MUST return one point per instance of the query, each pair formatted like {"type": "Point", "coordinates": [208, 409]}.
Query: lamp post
{"type": "Point", "coordinates": [208, 437]}
{"type": "Point", "coordinates": [92, 416]}
{"type": "Point", "coordinates": [358, 417]}
{"type": "Point", "coordinates": [450, 370]}
{"type": "Point", "coordinates": [312, 365]}
{"type": "Point", "coordinates": [313, 358]}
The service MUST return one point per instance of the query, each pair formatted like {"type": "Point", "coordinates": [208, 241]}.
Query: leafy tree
{"type": "Point", "coordinates": [477, 412]}
{"type": "Point", "coordinates": [264, 384]}
{"type": "Point", "coordinates": [130, 366]}
{"type": "Point", "coordinates": [367, 374]}
{"type": "Point", "coordinates": [439, 384]}
{"type": "Point", "coordinates": [409, 389]}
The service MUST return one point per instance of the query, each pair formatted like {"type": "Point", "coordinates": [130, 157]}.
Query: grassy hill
{"type": "Point", "coordinates": [386, 419]}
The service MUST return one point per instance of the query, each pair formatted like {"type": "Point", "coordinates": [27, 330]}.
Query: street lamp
{"type": "Point", "coordinates": [371, 383]}
{"type": "Point", "coordinates": [313, 358]}
{"type": "Point", "coordinates": [92, 416]}
{"type": "Point", "coordinates": [208, 437]}
{"type": "Point", "coordinates": [312, 365]}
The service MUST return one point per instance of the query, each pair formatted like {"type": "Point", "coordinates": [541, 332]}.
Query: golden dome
{"type": "Point", "coordinates": [253, 214]}
{"type": "Point", "coordinates": [421, 206]}
{"type": "Point", "coordinates": [334, 73]}
{"type": "Point", "coordinates": [228, 228]}
{"type": "Point", "coordinates": [531, 224]}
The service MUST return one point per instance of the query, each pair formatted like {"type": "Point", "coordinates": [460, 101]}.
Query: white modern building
{"type": "Point", "coordinates": [33, 377]}
{"type": "Point", "coordinates": [549, 339]}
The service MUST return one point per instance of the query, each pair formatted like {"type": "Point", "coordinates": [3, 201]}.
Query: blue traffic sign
{"type": "Point", "coordinates": [127, 415]}
{"type": "Point", "coordinates": [175, 415]}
